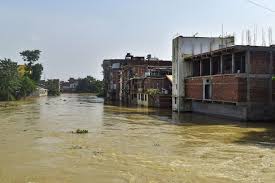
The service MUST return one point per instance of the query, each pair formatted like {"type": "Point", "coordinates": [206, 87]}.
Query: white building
{"type": "Point", "coordinates": [40, 92]}
{"type": "Point", "coordinates": [182, 48]}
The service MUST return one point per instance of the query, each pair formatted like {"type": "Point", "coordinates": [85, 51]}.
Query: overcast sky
{"type": "Point", "coordinates": [76, 35]}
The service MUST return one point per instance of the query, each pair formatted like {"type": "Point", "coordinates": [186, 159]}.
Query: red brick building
{"type": "Point", "coordinates": [154, 92]}
{"type": "Point", "coordinates": [121, 76]}
{"type": "Point", "coordinates": [236, 81]}
{"type": "Point", "coordinates": [112, 72]}
{"type": "Point", "coordinates": [139, 70]}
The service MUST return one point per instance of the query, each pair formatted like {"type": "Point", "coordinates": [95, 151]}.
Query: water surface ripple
{"type": "Point", "coordinates": [126, 144]}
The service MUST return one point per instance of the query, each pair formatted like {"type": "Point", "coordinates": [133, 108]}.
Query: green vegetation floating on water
{"type": "Point", "coordinates": [79, 131]}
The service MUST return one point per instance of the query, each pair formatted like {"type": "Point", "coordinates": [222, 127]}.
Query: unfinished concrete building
{"type": "Point", "coordinates": [235, 81]}
{"type": "Point", "coordinates": [184, 47]}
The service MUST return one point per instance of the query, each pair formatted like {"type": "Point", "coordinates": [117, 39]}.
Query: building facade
{"type": "Point", "coordinates": [235, 81]}
{"type": "Point", "coordinates": [112, 69]}
{"type": "Point", "coordinates": [123, 77]}
{"type": "Point", "coordinates": [154, 91]}
{"type": "Point", "coordinates": [70, 86]}
{"type": "Point", "coordinates": [184, 47]}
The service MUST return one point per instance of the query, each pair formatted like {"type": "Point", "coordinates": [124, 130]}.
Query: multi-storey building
{"type": "Point", "coordinates": [120, 76]}
{"type": "Point", "coordinates": [184, 47]}
{"type": "Point", "coordinates": [235, 81]}
{"type": "Point", "coordinates": [112, 82]}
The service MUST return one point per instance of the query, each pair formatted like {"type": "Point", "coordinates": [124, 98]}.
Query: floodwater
{"type": "Point", "coordinates": [127, 144]}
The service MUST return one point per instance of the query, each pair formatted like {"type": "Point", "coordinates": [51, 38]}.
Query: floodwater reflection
{"type": "Point", "coordinates": [128, 144]}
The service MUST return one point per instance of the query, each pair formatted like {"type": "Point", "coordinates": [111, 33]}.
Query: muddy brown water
{"type": "Point", "coordinates": [127, 144]}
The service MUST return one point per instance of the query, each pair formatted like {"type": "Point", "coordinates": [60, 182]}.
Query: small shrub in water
{"type": "Point", "coordinates": [79, 131]}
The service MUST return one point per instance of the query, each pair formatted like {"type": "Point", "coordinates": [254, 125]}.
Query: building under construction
{"type": "Point", "coordinates": [233, 81]}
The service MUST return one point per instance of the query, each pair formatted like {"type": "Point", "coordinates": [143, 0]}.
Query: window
{"type": "Point", "coordinates": [239, 63]}
{"type": "Point", "coordinates": [175, 100]}
{"type": "Point", "coordinates": [196, 68]}
{"type": "Point", "coordinates": [227, 64]}
{"type": "Point", "coordinates": [216, 65]}
{"type": "Point", "coordinates": [207, 87]}
{"type": "Point", "coordinates": [145, 97]}
{"type": "Point", "coordinates": [206, 67]}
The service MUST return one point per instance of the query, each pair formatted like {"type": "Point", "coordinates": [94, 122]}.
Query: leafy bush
{"type": "Point", "coordinates": [9, 80]}
{"type": "Point", "coordinates": [27, 86]}
{"type": "Point", "coordinates": [153, 92]}
{"type": "Point", "coordinates": [89, 85]}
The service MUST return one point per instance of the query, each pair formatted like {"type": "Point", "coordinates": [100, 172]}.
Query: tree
{"type": "Point", "coordinates": [9, 80]}
{"type": "Point", "coordinates": [53, 87]}
{"type": "Point", "coordinates": [33, 71]}
{"type": "Point", "coordinates": [30, 56]}
{"type": "Point", "coordinates": [27, 86]}
{"type": "Point", "coordinates": [37, 70]}
{"type": "Point", "coordinates": [89, 85]}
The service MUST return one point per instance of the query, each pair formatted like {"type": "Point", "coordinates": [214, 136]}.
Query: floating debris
{"type": "Point", "coordinates": [79, 131]}
{"type": "Point", "coordinates": [156, 145]}
{"type": "Point", "coordinates": [76, 147]}
{"type": "Point", "coordinates": [97, 153]}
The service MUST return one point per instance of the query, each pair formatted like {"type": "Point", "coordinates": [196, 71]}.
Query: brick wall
{"type": "Point", "coordinates": [259, 90]}
{"type": "Point", "coordinates": [163, 101]}
{"type": "Point", "coordinates": [260, 62]}
{"type": "Point", "coordinates": [138, 71]}
{"type": "Point", "coordinates": [225, 88]}
{"type": "Point", "coordinates": [194, 88]}
{"type": "Point", "coordinates": [242, 89]}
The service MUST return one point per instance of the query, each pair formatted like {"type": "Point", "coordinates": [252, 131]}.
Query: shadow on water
{"type": "Point", "coordinates": [260, 134]}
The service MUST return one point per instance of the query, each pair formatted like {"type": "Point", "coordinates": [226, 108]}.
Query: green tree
{"type": "Point", "coordinates": [34, 71]}
{"type": "Point", "coordinates": [89, 85]}
{"type": "Point", "coordinates": [27, 86]}
{"type": "Point", "coordinates": [53, 87]}
{"type": "Point", "coordinates": [37, 70]}
{"type": "Point", "coordinates": [30, 56]}
{"type": "Point", "coordinates": [9, 80]}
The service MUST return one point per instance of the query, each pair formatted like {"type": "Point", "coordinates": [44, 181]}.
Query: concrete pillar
{"type": "Point", "coordinates": [248, 87]}
{"type": "Point", "coordinates": [247, 68]}
{"type": "Point", "coordinates": [221, 64]}
{"type": "Point", "coordinates": [270, 77]}
{"type": "Point", "coordinates": [211, 66]}
{"type": "Point", "coordinates": [233, 63]}
{"type": "Point", "coordinates": [200, 67]}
